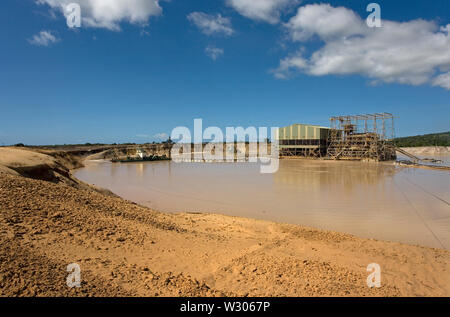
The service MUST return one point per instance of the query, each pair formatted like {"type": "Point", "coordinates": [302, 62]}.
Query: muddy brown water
{"type": "Point", "coordinates": [372, 200]}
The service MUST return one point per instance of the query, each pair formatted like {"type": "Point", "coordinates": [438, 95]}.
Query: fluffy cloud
{"type": "Point", "coordinates": [211, 24]}
{"type": "Point", "coordinates": [324, 21]}
{"type": "Point", "coordinates": [442, 80]}
{"type": "Point", "coordinates": [43, 38]}
{"type": "Point", "coordinates": [414, 52]}
{"type": "Point", "coordinates": [110, 13]}
{"type": "Point", "coordinates": [213, 52]}
{"type": "Point", "coordinates": [262, 10]}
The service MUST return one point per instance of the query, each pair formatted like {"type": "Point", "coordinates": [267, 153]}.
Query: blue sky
{"type": "Point", "coordinates": [138, 69]}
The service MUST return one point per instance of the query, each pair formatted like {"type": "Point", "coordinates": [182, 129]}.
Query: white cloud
{"type": "Point", "coordinates": [414, 52]}
{"type": "Point", "coordinates": [110, 13]}
{"type": "Point", "coordinates": [324, 21]}
{"type": "Point", "coordinates": [442, 80]}
{"type": "Point", "coordinates": [262, 10]}
{"type": "Point", "coordinates": [213, 52]}
{"type": "Point", "coordinates": [158, 136]}
{"type": "Point", "coordinates": [161, 136]}
{"type": "Point", "coordinates": [43, 38]}
{"type": "Point", "coordinates": [211, 24]}
{"type": "Point", "coordinates": [289, 64]}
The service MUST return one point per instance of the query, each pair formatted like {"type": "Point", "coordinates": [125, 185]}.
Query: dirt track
{"type": "Point", "coordinates": [125, 249]}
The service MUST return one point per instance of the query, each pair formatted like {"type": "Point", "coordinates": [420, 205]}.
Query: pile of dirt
{"type": "Point", "coordinates": [428, 150]}
{"type": "Point", "coordinates": [47, 165]}
{"type": "Point", "coordinates": [35, 164]}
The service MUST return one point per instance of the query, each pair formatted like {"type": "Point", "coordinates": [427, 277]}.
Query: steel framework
{"type": "Point", "coordinates": [362, 137]}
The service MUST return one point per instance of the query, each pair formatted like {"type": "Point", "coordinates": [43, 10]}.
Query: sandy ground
{"type": "Point", "coordinates": [428, 150]}
{"type": "Point", "coordinates": [126, 249]}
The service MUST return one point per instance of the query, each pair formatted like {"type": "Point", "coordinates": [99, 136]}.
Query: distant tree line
{"type": "Point", "coordinates": [434, 139]}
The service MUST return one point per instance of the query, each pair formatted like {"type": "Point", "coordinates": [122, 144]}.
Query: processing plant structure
{"type": "Point", "coordinates": [355, 137]}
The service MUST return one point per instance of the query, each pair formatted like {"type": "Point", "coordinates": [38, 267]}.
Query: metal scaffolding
{"type": "Point", "coordinates": [362, 137]}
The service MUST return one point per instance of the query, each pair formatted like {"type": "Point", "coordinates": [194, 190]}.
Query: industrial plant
{"type": "Point", "coordinates": [368, 137]}
{"type": "Point", "coordinates": [355, 137]}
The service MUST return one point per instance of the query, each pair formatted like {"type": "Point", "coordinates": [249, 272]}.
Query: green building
{"type": "Point", "coordinates": [303, 140]}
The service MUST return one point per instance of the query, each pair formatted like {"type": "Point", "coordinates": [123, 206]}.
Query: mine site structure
{"type": "Point", "coordinates": [142, 152]}
{"type": "Point", "coordinates": [362, 137]}
{"type": "Point", "coordinates": [302, 140]}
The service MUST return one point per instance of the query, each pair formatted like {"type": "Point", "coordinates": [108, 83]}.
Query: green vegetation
{"type": "Point", "coordinates": [435, 139]}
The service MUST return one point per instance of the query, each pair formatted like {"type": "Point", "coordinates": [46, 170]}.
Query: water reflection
{"type": "Point", "coordinates": [329, 175]}
{"type": "Point", "coordinates": [367, 199]}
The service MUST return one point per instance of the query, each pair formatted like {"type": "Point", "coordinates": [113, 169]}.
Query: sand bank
{"type": "Point", "coordinates": [126, 249]}
{"type": "Point", "coordinates": [428, 150]}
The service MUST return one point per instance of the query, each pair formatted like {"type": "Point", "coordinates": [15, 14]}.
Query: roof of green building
{"type": "Point", "coordinates": [308, 125]}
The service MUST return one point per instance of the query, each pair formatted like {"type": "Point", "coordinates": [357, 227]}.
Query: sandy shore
{"type": "Point", "coordinates": [49, 219]}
